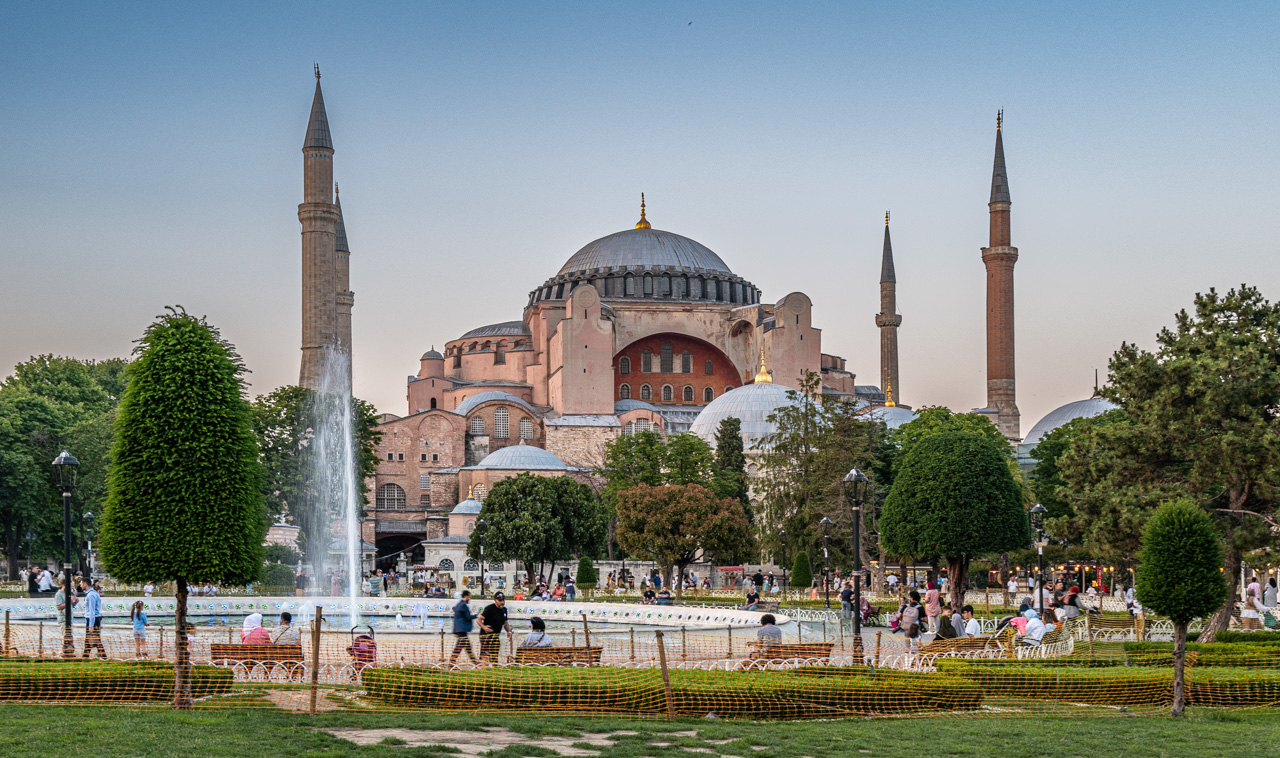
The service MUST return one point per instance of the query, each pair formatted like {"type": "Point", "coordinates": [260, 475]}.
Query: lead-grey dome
{"type": "Point", "coordinates": [752, 405]}
{"type": "Point", "coordinates": [645, 247]}
{"type": "Point", "coordinates": [521, 458]}
{"type": "Point", "coordinates": [1094, 406]}
{"type": "Point", "coordinates": [504, 329]}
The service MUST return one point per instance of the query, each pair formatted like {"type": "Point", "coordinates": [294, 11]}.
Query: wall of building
{"type": "Point", "coordinates": [724, 374]}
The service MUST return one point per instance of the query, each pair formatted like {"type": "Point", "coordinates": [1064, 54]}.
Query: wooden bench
{"type": "Point", "coordinates": [767, 606]}
{"type": "Point", "coordinates": [559, 656]}
{"type": "Point", "coordinates": [270, 657]}
{"type": "Point", "coordinates": [775, 651]}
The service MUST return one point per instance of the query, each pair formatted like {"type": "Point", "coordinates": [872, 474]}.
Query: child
{"type": "Point", "coordinates": [139, 619]}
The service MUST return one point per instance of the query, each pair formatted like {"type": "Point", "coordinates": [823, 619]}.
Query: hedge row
{"type": "Point", "coordinates": [1205, 654]}
{"type": "Point", "coordinates": [54, 679]}
{"type": "Point", "coordinates": [760, 694]}
{"type": "Point", "coordinates": [1259, 637]}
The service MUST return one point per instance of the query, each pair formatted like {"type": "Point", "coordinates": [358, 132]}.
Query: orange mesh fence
{"type": "Point", "coordinates": [641, 672]}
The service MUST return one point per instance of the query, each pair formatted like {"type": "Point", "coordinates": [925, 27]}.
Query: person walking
{"type": "Point", "coordinates": [911, 619]}
{"type": "Point", "coordinates": [1269, 594]}
{"type": "Point", "coordinates": [92, 620]}
{"type": "Point", "coordinates": [301, 583]}
{"type": "Point", "coordinates": [462, 618]}
{"type": "Point", "coordinates": [932, 606]}
{"type": "Point", "coordinates": [139, 618]}
{"type": "Point", "coordinates": [493, 620]}
{"type": "Point", "coordinates": [846, 603]}
{"type": "Point", "coordinates": [335, 584]}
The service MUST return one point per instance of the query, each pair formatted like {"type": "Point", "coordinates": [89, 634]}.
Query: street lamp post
{"type": "Point", "coordinates": [826, 563]}
{"type": "Point", "coordinates": [86, 517]}
{"type": "Point", "coordinates": [782, 535]}
{"type": "Point", "coordinates": [64, 471]}
{"type": "Point", "coordinates": [1037, 523]}
{"type": "Point", "coordinates": [481, 525]}
{"type": "Point", "coordinates": [856, 480]}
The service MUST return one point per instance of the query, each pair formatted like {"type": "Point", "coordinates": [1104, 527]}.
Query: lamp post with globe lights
{"type": "Point", "coordinates": [825, 523]}
{"type": "Point", "coordinates": [1037, 523]}
{"type": "Point", "coordinates": [853, 486]}
{"type": "Point", "coordinates": [64, 474]}
{"type": "Point", "coordinates": [782, 536]}
{"type": "Point", "coordinates": [481, 525]}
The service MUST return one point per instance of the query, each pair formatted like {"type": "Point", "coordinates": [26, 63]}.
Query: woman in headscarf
{"type": "Point", "coordinates": [252, 632]}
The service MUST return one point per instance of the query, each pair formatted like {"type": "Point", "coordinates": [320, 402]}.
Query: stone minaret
{"type": "Point", "coordinates": [999, 258]}
{"type": "Point", "coordinates": [319, 217]}
{"type": "Point", "coordinates": [342, 278]}
{"type": "Point", "coordinates": [888, 319]}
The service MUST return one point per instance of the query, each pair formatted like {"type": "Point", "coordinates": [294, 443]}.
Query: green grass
{"type": "Point", "coordinates": [104, 732]}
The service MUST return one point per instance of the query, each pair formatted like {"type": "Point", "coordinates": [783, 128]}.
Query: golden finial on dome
{"type": "Point", "coordinates": [471, 492]}
{"type": "Point", "coordinates": [888, 402]}
{"type": "Point", "coordinates": [642, 223]}
{"type": "Point", "coordinates": [763, 376]}
{"type": "Point", "coordinates": [317, 72]}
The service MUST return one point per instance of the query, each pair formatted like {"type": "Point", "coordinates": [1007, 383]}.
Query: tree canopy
{"type": "Point", "coordinates": [954, 497]}
{"type": "Point", "coordinates": [730, 477]}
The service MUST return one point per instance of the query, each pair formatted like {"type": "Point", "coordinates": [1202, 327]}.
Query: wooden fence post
{"type": "Point", "coordinates": [633, 643]}
{"type": "Point", "coordinates": [40, 640]}
{"type": "Point", "coordinates": [878, 633]}
{"type": "Point", "coordinates": [1088, 630]}
{"type": "Point", "coordinates": [6, 632]}
{"type": "Point", "coordinates": [684, 644]}
{"type": "Point", "coordinates": [731, 642]}
{"type": "Point", "coordinates": [315, 655]}
{"type": "Point", "coordinates": [666, 676]}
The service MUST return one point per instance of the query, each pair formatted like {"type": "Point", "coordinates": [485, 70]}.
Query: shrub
{"type": "Point", "coordinates": [586, 578]}
{"type": "Point", "coordinates": [277, 575]}
{"type": "Point", "coordinates": [131, 681]}
{"type": "Point", "coordinates": [1097, 686]}
{"type": "Point", "coordinates": [1250, 637]}
{"type": "Point", "coordinates": [1233, 686]}
{"type": "Point", "coordinates": [1205, 654]}
{"type": "Point", "coordinates": [801, 571]}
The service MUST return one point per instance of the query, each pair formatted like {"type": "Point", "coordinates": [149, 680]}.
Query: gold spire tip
{"type": "Point", "coordinates": [643, 223]}
{"type": "Point", "coordinates": [888, 402]}
{"type": "Point", "coordinates": [886, 218]}
{"type": "Point", "coordinates": [317, 72]}
{"type": "Point", "coordinates": [335, 188]}
{"type": "Point", "coordinates": [999, 119]}
{"type": "Point", "coordinates": [763, 376]}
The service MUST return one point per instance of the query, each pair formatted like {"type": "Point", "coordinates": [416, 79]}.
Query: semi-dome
{"type": "Point", "coordinates": [751, 404]}
{"type": "Point", "coordinates": [1094, 406]}
{"type": "Point", "coordinates": [645, 247]}
{"type": "Point", "coordinates": [471, 402]}
{"type": "Point", "coordinates": [521, 457]}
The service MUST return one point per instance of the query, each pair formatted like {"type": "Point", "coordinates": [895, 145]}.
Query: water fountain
{"type": "Point", "coordinates": [334, 471]}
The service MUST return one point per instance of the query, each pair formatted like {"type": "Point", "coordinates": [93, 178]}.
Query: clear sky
{"type": "Point", "coordinates": [151, 155]}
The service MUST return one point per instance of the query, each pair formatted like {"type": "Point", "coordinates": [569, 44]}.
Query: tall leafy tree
{"type": "Point", "coordinates": [184, 498]}
{"type": "Point", "coordinates": [687, 459]}
{"type": "Point", "coordinates": [730, 479]}
{"type": "Point", "coordinates": [1200, 420]}
{"type": "Point", "coordinates": [672, 524]}
{"type": "Point", "coordinates": [954, 497]}
{"type": "Point", "coordinates": [629, 460]}
{"type": "Point", "coordinates": [1179, 575]}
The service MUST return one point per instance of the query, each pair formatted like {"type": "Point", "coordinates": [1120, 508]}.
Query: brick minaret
{"type": "Point", "coordinates": [999, 258]}
{"type": "Point", "coordinates": [319, 217]}
{"type": "Point", "coordinates": [888, 319]}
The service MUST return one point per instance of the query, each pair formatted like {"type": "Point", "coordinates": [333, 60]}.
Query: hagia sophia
{"type": "Point", "coordinates": [640, 329]}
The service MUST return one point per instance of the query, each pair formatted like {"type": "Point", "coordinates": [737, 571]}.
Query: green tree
{"type": "Point", "coordinates": [586, 577]}
{"type": "Point", "coordinates": [538, 520]}
{"type": "Point", "coordinates": [284, 424]}
{"type": "Point", "coordinates": [671, 524]}
{"type": "Point", "coordinates": [730, 478]}
{"type": "Point", "coordinates": [282, 554]}
{"type": "Point", "coordinates": [184, 495]}
{"type": "Point", "coordinates": [629, 459]}
{"type": "Point", "coordinates": [954, 497]}
{"type": "Point", "coordinates": [802, 571]}
{"type": "Point", "coordinates": [687, 459]}
{"type": "Point", "coordinates": [1179, 575]}
{"type": "Point", "coordinates": [1201, 419]}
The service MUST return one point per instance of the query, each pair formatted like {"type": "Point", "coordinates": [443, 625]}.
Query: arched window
{"type": "Point", "coordinates": [433, 403]}
{"type": "Point", "coordinates": [500, 421]}
{"type": "Point", "coordinates": [642, 425]}
{"type": "Point", "coordinates": [645, 392]}
{"type": "Point", "coordinates": [686, 362]}
{"type": "Point", "coordinates": [471, 565]}
{"type": "Point", "coordinates": [709, 369]}
{"type": "Point", "coordinates": [695, 288]}
{"type": "Point", "coordinates": [390, 498]}
{"type": "Point", "coordinates": [624, 365]}
{"type": "Point", "coordinates": [477, 425]}
{"type": "Point", "coordinates": [526, 428]}
{"type": "Point", "coordinates": [648, 284]}
{"type": "Point", "coordinates": [668, 394]}
{"type": "Point", "coordinates": [624, 392]}
{"type": "Point", "coordinates": [728, 387]}
{"type": "Point", "coordinates": [495, 566]}
{"type": "Point", "coordinates": [667, 355]}
{"type": "Point", "coordinates": [630, 285]}
{"type": "Point", "coordinates": [708, 394]}
{"type": "Point", "coordinates": [446, 564]}
{"type": "Point", "coordinates": [688, 393]}
{"type": "Point", "coordinates": [646, 361]}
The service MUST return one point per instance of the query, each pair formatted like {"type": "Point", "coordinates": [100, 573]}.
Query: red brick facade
{"type": "Point", "coordinates": [723, 375]}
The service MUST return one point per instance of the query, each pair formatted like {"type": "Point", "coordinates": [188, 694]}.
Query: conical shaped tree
{"type": "Point", "coordinates": [802, 571]}
{"type": "Point", "coordinates": [184, 500]}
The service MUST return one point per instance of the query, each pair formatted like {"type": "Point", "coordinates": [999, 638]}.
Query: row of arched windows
{"type": "Point", "coordinates": [666, 362]}
{"type": "Point", "coordinates": [502, 425]}
{"type": "Point", "coordinates": [687, 395]}
{"type": "Point", "coordinates": [648, 285]}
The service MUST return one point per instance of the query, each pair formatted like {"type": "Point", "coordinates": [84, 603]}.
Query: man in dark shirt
{"type": "Point", "coordinates": [493, 620]}
{"type": "Point", "coordinates": [753, 599]}
{"type": "Point", "coordinates": [758, 581]}
{"type": "Point", "coordinates": [846, 602]}
{"type": "Point", "coordinates": [647, 597]}
{"type": "Point", "coordinates": [301, 582]}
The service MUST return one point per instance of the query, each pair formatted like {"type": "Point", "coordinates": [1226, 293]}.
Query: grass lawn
{"type": "Point", "coordinates": [102, 732]}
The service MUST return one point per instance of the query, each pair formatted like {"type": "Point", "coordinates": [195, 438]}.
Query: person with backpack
{"type": "Point", "coordinates": [910, 620]}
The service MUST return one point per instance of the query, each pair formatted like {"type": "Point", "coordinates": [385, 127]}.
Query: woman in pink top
{"type": "Point", "coordinates": [933, 606]}
{"type": "Point", "coordinates": [252, 633]}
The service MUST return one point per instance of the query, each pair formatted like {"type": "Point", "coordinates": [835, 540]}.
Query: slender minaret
{"type": "Point", "coordinates": [999, 258]}
{"type": "Point", "coordinates": [888, 319]}
{"type": "Point", "coordinates": [345, 298]}
{"type": "Point", "coordinates": [319, 217]}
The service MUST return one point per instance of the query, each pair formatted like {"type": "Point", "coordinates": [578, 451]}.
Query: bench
{"type": "Point", "coordinates": [775, 651]}
{"type": "Point", "coordinates": [270, 657]}
{"type": "Point", "coordinates": [767, 606]}
{"type": "Point", "coordinates": [960, 644]}
{"type": "Point", "coordinates": [559, 656]}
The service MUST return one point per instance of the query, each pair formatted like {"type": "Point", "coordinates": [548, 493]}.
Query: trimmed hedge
{"type": "Point", "coordinates": [1205, 654]}
{"type": "Point", "coordinates": [1097, 686]}
{"type": "Point", "coordinates": [1258, 637]}
{"type": "Point", "coordinates": [97, 680]}
{"type": "Point", "coordinates": [757, 694]}
{"type": "Point", "coordinates": [1233, 687]}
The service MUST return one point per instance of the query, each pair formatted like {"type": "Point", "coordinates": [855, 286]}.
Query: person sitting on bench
{"type": "Point", "coordinates": [252, 633]}
{"type": "Point", "coordinates": [537, 634]}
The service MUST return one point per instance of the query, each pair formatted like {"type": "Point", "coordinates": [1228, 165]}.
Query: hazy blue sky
{"type": "Point", "coordinates": [151, 155]}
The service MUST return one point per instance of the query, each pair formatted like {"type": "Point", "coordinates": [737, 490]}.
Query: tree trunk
{"type": "Point", "coordinates": [679, 585]}
{"type": "Point", "coordinates": [1004, 570]}
{"type": "Point", "coordinates": [1179, 659]}
{"type": "Point", "coordinates": [1221, 618]}
{"type": "Point", "coordinates": [958, 575]}
{"type": "Point", "coordinates": [182, 653]}
{"type": "Point", "coordinates": [11, 552]}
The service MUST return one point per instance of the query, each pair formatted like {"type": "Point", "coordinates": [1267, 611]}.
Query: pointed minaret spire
{"type": "Point", "coordinates": [643, 223]}
{"type": "Point", "coordinates": [318, 125]}
{"type": "Point", "coordinates": [888, 319]}
{"type": "Point", "coordinates": [999, 258]}
{"type": "Point", "coordinates": [340, 244]}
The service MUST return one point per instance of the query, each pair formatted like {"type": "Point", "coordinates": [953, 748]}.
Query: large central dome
{"type": "Point", "coordinates": [645, 247]}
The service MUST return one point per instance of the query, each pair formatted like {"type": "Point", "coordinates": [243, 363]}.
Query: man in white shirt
{"type": "Point", "coordinates": [892, 579]}
{"type": "Point", "coordinates": [46, 581]}
{"type": "Point", "coordinates": [971, 626]}
{"type": "Point", "coordinates": [1013, 585]}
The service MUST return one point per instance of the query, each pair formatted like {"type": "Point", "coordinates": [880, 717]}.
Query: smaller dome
{"type": "Point", "coordinates": [470, 403]}
{"type": "Point", "coordinates": [468, 506]}
{"type": "Point", "coordinates": [751, 404]}
{"type": "Point", "coordinates": [522, 457]}
{"type": "Point", "coordinates": [432, 355]}
{"type": "Point", "coordinates": [622, 406]}
{"type": "Point", "coordinates": [893, 416]}
{"type": "Point", "coordinates": [1094, 406]}
{"type": "Point", "coordinates": [504, 329]}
